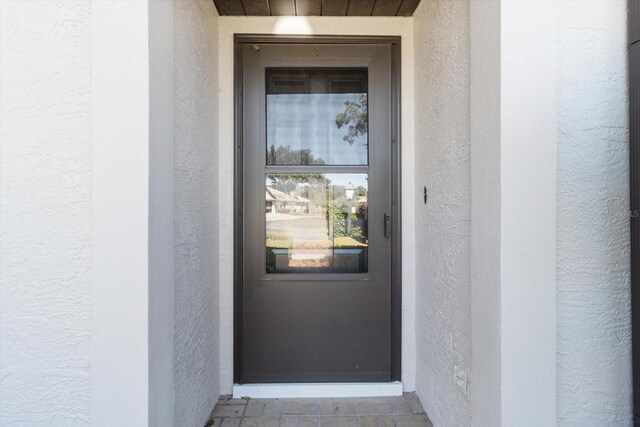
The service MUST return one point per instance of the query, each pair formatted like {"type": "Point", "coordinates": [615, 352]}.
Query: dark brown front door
{"type": "Point", "coordinates": [317, 213]}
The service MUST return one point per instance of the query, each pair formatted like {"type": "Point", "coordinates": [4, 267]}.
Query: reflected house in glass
{"type": "Point", "coordinates": [281, 202]}
{"type": "Point", "coordinates": [324, 232]}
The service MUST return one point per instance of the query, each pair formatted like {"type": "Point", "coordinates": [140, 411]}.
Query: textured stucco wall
{"type": "Point", "coordinates": [45, 176]}
{"type": "Point", "coordinates": [594, 350]}
{"type": "Point", "coordinates": [195, 177]}
{"type": "Point", "coordinates": [485, 136]}
{"type": "Point", "coordinates": [161, 207]}
{"type": "Point", "coordinates": [442, 164]}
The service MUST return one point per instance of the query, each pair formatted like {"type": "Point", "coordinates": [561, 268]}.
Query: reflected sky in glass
{"type": "Point", "coordinates": [317, 116]}
{"type": "Point", "coordinates": [302, 129]}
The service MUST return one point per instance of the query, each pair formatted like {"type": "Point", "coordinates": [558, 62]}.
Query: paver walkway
{"type": "Point", "coordinates": [398, 411]}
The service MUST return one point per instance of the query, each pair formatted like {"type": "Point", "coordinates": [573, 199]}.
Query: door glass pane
{"type": "Point", "coordinates": [317, 116]}
{"type": "Point", "coordinates": [316, 223]}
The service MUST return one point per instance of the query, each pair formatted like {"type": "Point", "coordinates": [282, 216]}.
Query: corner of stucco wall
{"type": "Point", "coordinates": [442, 164]}
{"type": "Point", "coordinates": [197, 342]}
{"type": "Point", "coordinates": [592, 240]}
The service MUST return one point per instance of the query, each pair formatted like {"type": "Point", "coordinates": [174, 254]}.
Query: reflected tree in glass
{"type": "Point", "coordinates": [284, 155]}
{"type": "Point", "coordinates": [356, 117]}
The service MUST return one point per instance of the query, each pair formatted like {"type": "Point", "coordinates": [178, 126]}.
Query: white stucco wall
{"type": "Point", "coordinates": [442, 164]}
{"type": "Point", "coordinates": [513, 213]}
{"type": "Point", "coordinates": [120, 203]}
{"type": "Point", "coordinates": [594, 348]}
{"type": "Point", "coordinates": [161, 206]}
{"type": "Point", "coordinates": [389, 26]}
{"type": "Point", "coordinates": [197, 375]}
{"type": "Point", "coordinates": [527, 191]}
{"type": "Point", "coordinates": [52, 196]}
{"type": "Point", "coordinates": [484, 100]}
{"type": "Point", "coordinates": [45, 189]}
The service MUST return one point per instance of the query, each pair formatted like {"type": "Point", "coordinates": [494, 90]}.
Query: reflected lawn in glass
{"type": "Point", "coordinates": [316, 223]}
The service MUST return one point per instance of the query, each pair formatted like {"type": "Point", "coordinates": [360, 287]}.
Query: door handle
{"type": "Point", "coordinates": [387, 225]}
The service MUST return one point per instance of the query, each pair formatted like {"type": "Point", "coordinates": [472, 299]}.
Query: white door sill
{"type": "Point", "coordinates": [281, 391]}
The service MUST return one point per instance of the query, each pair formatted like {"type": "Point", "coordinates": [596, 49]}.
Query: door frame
{"type": "Point", "coordinates": [396, 226]}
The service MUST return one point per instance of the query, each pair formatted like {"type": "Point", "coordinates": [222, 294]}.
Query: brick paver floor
{"type": "Point", "coordinates": [397, 411]}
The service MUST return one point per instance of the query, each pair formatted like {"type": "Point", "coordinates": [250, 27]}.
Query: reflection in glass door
{"type": "Point", "coordinates": [316, 223]}
{"type": "Point", "coordinates": [317, 117]}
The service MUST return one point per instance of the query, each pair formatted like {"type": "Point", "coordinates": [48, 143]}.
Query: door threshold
{"type": "Point", "coordinates": [292, 390]}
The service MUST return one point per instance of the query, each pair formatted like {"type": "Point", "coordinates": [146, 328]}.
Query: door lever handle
{"type": "Point", "coordinates": [387, 225]}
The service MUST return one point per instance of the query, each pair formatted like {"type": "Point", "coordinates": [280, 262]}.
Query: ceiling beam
{"type": "Point", "coordinates": [408, 7]}
{"type": "Point", "coordinates": [360, 7]}
{"type": "Point", "coordinates": [334, 7]}
{"type": "Point", "coordinates": [308, 7]}
{"type": "Point", "coordinates": [282, 7]}
{"type": "Point", "coordinates": [316, 7]}
{"type": "Point", "coordinates": [229, 7]}
{"type": "Point", "coordinates": [386, 8]}
{"type": "Point", "coordinates": [256, 7]}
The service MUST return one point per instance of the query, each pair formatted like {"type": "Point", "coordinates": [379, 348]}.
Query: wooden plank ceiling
{"type": "Point", "coordinates": [316, 7]}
